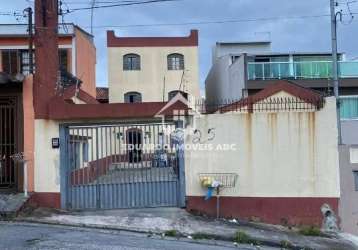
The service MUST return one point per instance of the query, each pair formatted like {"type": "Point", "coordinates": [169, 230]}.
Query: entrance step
{"type": "Point", "coordinates": [11, 204]}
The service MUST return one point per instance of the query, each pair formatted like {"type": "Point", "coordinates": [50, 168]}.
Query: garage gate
{"type": "Point", "coordinates": [121, 166]}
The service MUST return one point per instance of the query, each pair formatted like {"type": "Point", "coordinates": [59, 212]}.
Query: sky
{"type": "Point", "coordinates": [287, 34]}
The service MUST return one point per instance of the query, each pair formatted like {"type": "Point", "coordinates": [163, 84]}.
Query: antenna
{"type": "Point", "coordinates": [163, 88]}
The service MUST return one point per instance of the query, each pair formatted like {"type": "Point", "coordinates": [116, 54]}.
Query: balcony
{"type": "Point", "coordinates": [300, 70]}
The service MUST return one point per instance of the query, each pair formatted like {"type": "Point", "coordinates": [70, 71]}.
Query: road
{"type": "Point", "coordinates": [36, 236]}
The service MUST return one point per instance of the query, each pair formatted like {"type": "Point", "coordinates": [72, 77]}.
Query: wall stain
{"type": "Point", "coordinates": [312, 145]}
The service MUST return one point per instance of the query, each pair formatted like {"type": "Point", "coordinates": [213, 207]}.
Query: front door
{"type": "Point", "coordinates": [10, 139]}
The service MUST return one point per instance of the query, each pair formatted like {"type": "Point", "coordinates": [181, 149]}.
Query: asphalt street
{"type": "Point", "coordinates": [40, 236]}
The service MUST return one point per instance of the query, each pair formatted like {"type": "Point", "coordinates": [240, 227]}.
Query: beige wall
{"type": "Point", "coordinates": [286, 154]}
{"type": "Point", "coordinates": [47, 159]}
{"type": "Point", "coordinates": [149, 81]}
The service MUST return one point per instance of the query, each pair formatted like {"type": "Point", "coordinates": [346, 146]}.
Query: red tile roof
{"type": "Point", "coordinates": [102, 94]}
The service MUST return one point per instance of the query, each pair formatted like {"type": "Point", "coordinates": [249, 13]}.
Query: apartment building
{"type": "Point", "coordinates": [242, 69]}
{"type": "Point", "coordinates": [152, 69]}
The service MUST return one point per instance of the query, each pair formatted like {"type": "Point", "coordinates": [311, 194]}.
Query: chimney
{"type": "Point", "coordinates": [46, 55]}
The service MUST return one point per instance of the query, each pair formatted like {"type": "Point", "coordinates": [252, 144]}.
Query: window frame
{"type": "Point", "coordinates": [128, 95]}
{"type": "Point", "coordinates": [132, 65]}
{"type": "Point", "coordinates": [175, 61]}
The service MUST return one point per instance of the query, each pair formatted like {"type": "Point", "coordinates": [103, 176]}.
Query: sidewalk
{"type": "Point", "coordinates": [174, 222]}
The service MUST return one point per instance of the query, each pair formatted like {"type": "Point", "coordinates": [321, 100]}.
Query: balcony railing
{"type": "Point", "coordinates": [300, 70]}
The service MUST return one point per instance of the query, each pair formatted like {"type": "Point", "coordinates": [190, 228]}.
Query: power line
{"type": "Point", "coordinates": [214, 22]}
{"type": "Point", "coordinates": [120, 4]}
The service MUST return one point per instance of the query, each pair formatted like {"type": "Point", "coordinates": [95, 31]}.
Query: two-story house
{"type": "Point", "coordinates": [77, 53]}
{"type": "Point", "coordinates": [152, 69]}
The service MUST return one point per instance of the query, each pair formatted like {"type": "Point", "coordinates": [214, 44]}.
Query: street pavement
{"type": "Point", "coordinates": [41, 236]}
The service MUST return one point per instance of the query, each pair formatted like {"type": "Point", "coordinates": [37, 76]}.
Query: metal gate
{"type": "Point", "coordinates": [121, 166]}
{"type": "Point", "coordinates": [10, 140]}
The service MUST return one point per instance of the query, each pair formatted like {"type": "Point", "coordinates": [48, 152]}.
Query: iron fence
{"type": "Point", "coordinates": [251, 105]}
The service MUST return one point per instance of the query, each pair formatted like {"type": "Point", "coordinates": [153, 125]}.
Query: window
{"type": "Point", "coordinates": [10, 61]}
{"type": "Point", "coordinates": [172, 94]}
{"type": "Point", "coordinates": [353, 155]}
{"type": "Point", "coordinates": [131, 62]}
{"type": "Point", "coordinates": [132, 97]}
{"type": "Point", "coordinates": [355, 174]}
{"type": "Point", "coordinates": [175, 62]}
{"type": "Point", "coordinates": [62, 56]}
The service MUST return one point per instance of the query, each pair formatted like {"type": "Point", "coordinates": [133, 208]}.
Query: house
{"type": "Point", "coordinates": [76, 53]}
{"type": "Point", "coordinates": [152, 69]}
{"type": "Point", "coordinates": [242, 69]}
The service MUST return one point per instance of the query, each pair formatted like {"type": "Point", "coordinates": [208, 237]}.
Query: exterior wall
{"type": "Point", "coordinates": [221, 50]}
{"type": "Point", "coordinates": [29, 130]}
{"type": "Point", "coordinates": [149, 81]}
{"type": "Point", "coordinates": [86, 62]}
{"type": "Point", "coordinates": [349, 132]}
{"type": "Point", "coordinates": [348, 207]}
{"type": "Point", "coordinates": [47, 159]}
{"type": "Point", "coordinates": [278, 156]}
{"type": "Point", "coordinates": [226, 80]}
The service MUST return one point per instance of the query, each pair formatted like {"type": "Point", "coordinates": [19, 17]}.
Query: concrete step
{"type": "Point", "coordinates": [11, 204]}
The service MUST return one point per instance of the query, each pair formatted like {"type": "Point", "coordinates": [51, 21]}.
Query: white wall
{"type": "Point", "coordinates": [226, 80]}
{"type": "Point", "coordinates": [286, 154]}
{"type": "Point", "coordinates": [149, 81]}
{"type": "Point", "coordinates": [221, 50]}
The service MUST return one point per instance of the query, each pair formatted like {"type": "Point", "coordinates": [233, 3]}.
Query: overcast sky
{"type": "Point", "coordinates": [302, 34]}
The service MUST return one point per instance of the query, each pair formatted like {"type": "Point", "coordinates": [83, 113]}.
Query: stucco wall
{"type": "Point", "coordinates": [47, 159]}
{"type": "Point", "coordinates": [86, 62]}
{"type": "Point", "coordinates": [149, 81]}
{"type": "Point", "coordinates": [348, 206]}
{"type": "Point", "coordinates": [349, 132]}
{"type": "Point", "coordinates": [286, 154]}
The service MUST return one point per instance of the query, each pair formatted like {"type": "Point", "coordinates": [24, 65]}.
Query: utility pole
{"type": "Point", "coordinates": [31, 39]}
{"type": "Point", "coordinates": [333, 5]}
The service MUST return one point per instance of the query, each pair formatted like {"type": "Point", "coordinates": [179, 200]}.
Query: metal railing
{"type": "Point", "coordinates": [252, 105]}
{"type": "Point", "coordinates": [300, 70]}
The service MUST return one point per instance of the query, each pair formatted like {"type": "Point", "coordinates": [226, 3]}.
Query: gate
{"type": "Point", "coordinates": [10, 140]}
{"type": "Point", "coordinates": [121, 166]}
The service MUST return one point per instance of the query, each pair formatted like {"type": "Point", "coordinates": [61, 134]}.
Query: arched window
{"type": "Point", "coordinates": [175, 62]}
{"type": "Point", "coordinates": [132, 97]}
{"type": "Point", "coordinates": [131, 62]}
{"type": "Point", "coordinates": [173, 93]}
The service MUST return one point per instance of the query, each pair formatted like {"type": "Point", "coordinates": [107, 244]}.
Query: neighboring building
{"type": "Point", "coordinates": [348, 157]}
{"type": "Point", "coordinates": [245, 69]}
{"type": "Point", "coordinates": [152, 69]}
{"type": "Point", "coordinates": [102, 94]}
{"type": "Point", "coordinates": [77, 53]}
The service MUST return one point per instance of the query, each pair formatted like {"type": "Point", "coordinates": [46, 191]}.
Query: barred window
{"type": "Point", "coordinates": [131, 62]}
{"type": "Point", "coordinates": [175, 62]}
{"type": "Point", "coordinates": [132, 97]}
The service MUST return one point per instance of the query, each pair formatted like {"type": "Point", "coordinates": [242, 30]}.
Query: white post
{"type": "Point", "coordinates": [25, 179]}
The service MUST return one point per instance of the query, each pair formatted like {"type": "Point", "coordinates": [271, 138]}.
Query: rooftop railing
{"type": "Point", "coordinates": [300, 70]}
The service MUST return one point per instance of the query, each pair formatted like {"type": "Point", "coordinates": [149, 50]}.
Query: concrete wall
{"type": "Point", "coordinates": [290, 156]}
{"type": "Point", "coordinates": [348, 207]}
{"type": "Point", "coordinates": [349, 132]}
{"type": "Point", "coordinates": [149, 81]}
{"type": "Point", "coordinates": [226, 80]}
{"type": "Point", "coordinates": [221, 50]}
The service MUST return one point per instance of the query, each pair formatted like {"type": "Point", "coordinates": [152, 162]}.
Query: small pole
{"type": "Point", "coordinates": [217, 203]}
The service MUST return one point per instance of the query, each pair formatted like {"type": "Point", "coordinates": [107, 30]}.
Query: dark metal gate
{"type": "Point", "coordinates": [121, 166]}
{"type": "Point", "coordinates": [10, 140]}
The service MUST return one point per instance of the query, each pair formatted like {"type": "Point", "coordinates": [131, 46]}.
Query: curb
{"type": "Point", "coordinates": [216, 237]}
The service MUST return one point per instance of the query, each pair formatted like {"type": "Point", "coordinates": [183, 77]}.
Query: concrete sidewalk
{"type": "Point", "coordinates": [178, 223]}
